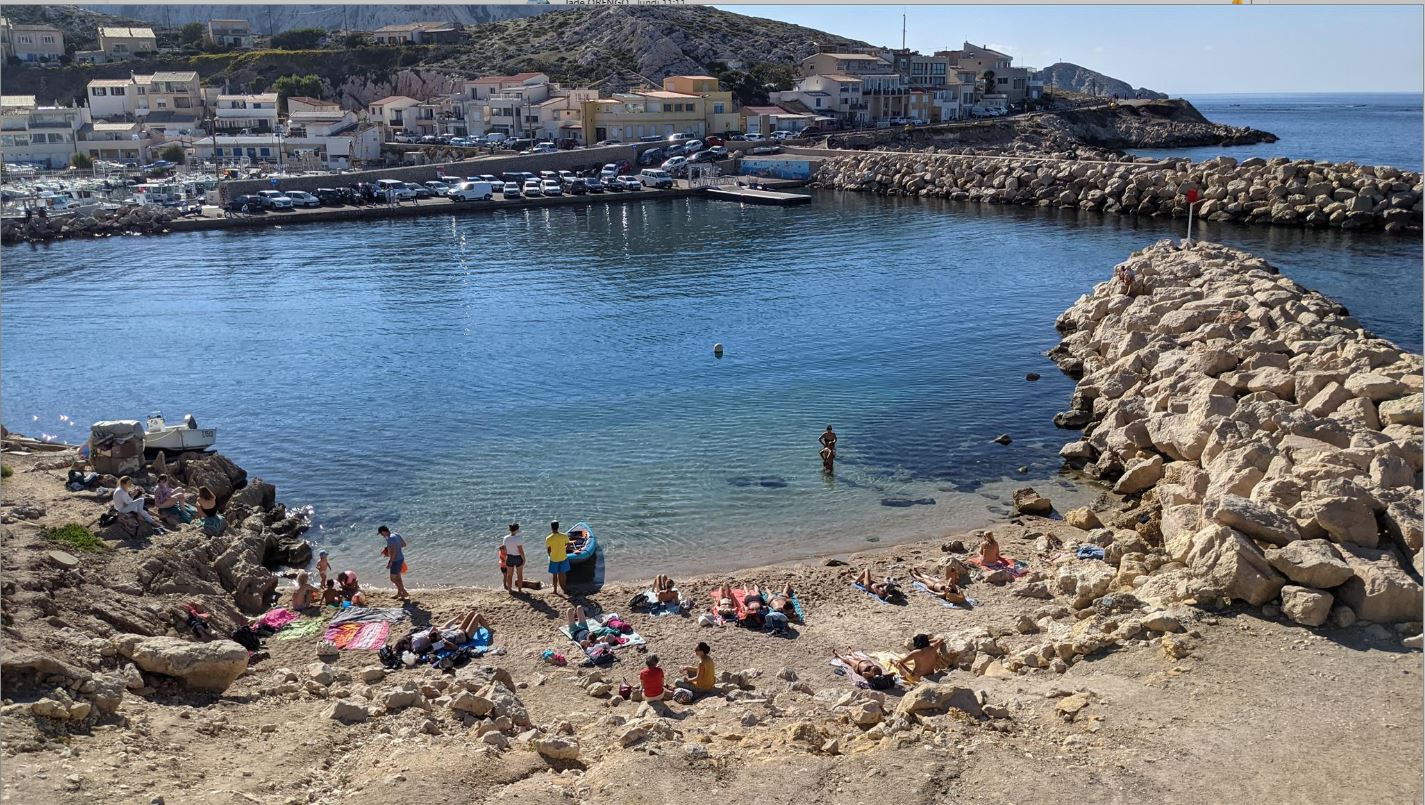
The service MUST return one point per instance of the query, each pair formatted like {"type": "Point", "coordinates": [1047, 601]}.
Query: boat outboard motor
{"type": "Point", "coordinates": [190, 421]}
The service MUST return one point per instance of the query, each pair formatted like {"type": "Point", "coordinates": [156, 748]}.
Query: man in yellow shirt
{"type": "Point", "coordinates": [557, 544]}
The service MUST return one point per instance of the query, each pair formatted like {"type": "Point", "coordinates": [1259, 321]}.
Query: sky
{"type": "Point", "coordinates": [1180, 50]}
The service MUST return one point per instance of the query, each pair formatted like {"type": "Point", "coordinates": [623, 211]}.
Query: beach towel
{"type": "Point", "coordinates": [844, 671]}
{"type": "Point", "coordinates": [369, 615]}
{"type": "Point", "coordinates": [858, 585]}
{"type": "Point", "coordinates": [651, 605]}
{"type": "Point", "coordinates": [1089, 552]}
{"type": "Point", "coordinates": [358, 636]}
{"type": "Point", "coordinates": [301, 628]}
{"type": "Point", "coordinates": [482, 641]}
{"type": "Point", "coordinates": [1009, 564]}
{"type": "Point", "coordinates": [277, 619]}
{"type": "Point", "coordinates": [917, 585]}
{"type": "Point", "coordinates": [630, 639]}
{"type": "Point", "coordinates": [739, 596]}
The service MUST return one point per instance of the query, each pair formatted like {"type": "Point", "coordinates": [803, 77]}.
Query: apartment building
{"type": "Point", "coordinates": [719, 108]}
{"type": "Point", "coordinates": [390, 112]}
{"type": "Point", "coordinates": [39, 135]}
{"type": "Point", "coordinates": [230, 33]}
{"type": "Point", "coordinates": [124, 43]}
{"type": "Point", "coordinates": [843, 64]}
{"type": "Point", "coordinates": [31, 43]}
{"type": "Point", "coordinates": [116, 142]}
{"type": "Point", "coordinates": [254, 112]}
{"type": "Point", "coordinates": [630, 116]}
{"type": "Point", "coordinates": [418, 33]}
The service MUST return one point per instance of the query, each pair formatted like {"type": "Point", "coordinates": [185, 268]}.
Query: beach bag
{"type": "Point", "coordinates": [245, 637]}
{"type": "Point", "coordinates": [619, 624]}
{"type": "Point", "coordinates": [881, 682]}
{"type": "Point", "coordinates": [625, 690]}
{"type": "Point", "coordinates": [640, 602]}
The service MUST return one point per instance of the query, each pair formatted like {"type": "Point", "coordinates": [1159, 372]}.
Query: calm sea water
{"type": "Point", "coordinates": [1370, 128]}
{"type": "Point", "coordinates": [449, 374]}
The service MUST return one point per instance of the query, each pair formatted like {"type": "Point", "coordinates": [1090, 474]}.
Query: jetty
{"type": "Point", "coordinates": [749, 195]}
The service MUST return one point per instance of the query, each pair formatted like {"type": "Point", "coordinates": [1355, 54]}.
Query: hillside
{"type": "Point", "coordinates": [615, 47]}
{"type": "Point", "coordinates": [80, 25]}
{"type": "Point", "coordinates": [1064, 75]}
{"type": "Point", "coordinates": [270, 19]}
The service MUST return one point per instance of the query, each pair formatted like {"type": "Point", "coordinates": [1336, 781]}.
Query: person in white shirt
{"type": "Point", "coordinates": [513, 547]}
{"type": "Point", "coordinates": [126, 503]}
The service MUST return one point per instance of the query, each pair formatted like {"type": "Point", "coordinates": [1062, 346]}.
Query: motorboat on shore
{"type": "Point", "coordinates": [583, 554]}
{"type": "Point", "coordinates": [179, 438]}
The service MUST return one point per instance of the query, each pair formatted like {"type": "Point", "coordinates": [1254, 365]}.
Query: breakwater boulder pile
{"type": "Point", "coordinates": [145, 219]}
{"type": "Point", "coordinates": [1277, 191]}
{"type": "Point", "coordinates": [80, 633]}
{"type": "Point", "coordinates": [1275, 441]}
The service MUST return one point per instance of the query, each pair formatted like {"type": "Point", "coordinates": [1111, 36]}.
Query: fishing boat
{"type": "Point", "coordinates": [160, 435]}
{"type": "Point", "coordinates": [583, 554]}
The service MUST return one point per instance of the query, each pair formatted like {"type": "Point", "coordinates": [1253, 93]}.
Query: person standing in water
{"type": "Point", "coordinates": [514, 559]}
{"type": "Point", "coordinates": [828, 459]}
{"type": "Point", "coordinates": [395, 553]}
{"type": "Point", "coordinates": [828, 447]}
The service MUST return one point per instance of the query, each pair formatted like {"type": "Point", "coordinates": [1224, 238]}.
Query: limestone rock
{"type": "Point", "coordinates": [1378, 589]}
{"type": "Point", "coordinates": [1311, 563]}
{"type": "Point", "coordinates": [558, 748]}
{"type": "Point", "coordinates": [1232, 565]}
{"type": "Point", "coordinates": [1305, 605]}
{"type": "Point", "coordinates": [1139, 474]}
{"type": "Point", "coordinates": [1082, 518]}
{"type": "Point", "coordinates": [202, 666]}
{"type": "Point", "coordinates": [1028, 501]}
{"type": "Point", "coordinates": [347, 711]}
{"type": "Point", "coordinates": [1261, 521]}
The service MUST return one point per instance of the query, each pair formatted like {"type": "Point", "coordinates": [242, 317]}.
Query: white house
{"type": "Point", "coordinates": [116, 142]}
{"type": "Point", "coordinates": [39, 135]}
{"type": "Point", "coordinates": [332, 151]}
{"type": "Point", "coordinates": [391, 111]}
{"type": "Point", "coordinates": [257, 112]}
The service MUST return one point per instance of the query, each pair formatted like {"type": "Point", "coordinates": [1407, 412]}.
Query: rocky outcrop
{"type": "Point", "coordinates": [140, 220]}
{"type": "Point", "coordinates": [1280, 191]}
{"type": "Point", "coordinates": [1260, 398]}
{"type": "Point", "coordinates": [1067, 76]}
{"type": "Point", "coordinates": [202, 666]}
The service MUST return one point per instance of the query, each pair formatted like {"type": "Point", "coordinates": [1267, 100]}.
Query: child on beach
{"type": "Point", "coordinates": [324, 567]}
{"type": "Point", "coordinates": [513, 547]}
{"type": "Point", "coordinates": [331, 596]}
{"type": "Point", "coordinates": [305, 595]}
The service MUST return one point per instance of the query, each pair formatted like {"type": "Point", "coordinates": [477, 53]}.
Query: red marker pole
{"type": "Point", "coordinates": [1191, 199]}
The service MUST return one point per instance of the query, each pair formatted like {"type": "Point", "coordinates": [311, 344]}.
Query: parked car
{"type": "Point", "coordinates": [737, 138]}
{"type": "Point", "coordinates": [496, 183]}
{"type": "Point", "coordinates": [275, 200]}
{"type": "Point", "coordinates": [612, 185]}
{"type": "Point", "coordinates": [330, 196]}
{"type": "Point", "coordinates": [429, 139]}
{"type": "Point", "coordinates": [703, 156]}
{"type": "Point", "coordinates": [652, 156]}
{"type": "Point", "coordinates": [609, 171]}
{"type": "Point", "coordinates": [677, 138]}
{"type": "Point", "coordinates": [533, 187]}
{"type": "Point", "coordinates": [511, 190]}
{"type": "Point", "coordinates": [551, 187]}
{"type": "Point", "coordinates": [652, 138]}
{"type": "Point", "coordinates": [393, 190]}
{"type": "Point", "coordinates": [693, 146]}
{"type": "Point", "coordinates": [248, 204]}
{"type": "Point", "coordinates": [718, 152]}
{"type": "Point", "coordinates": [545, 176]}
{"type": "Point", "coordinates": [565, 176]}
{"type": "Point", "coordinates": [607, 142]}
{"type": "Point", "coordinates": [713, 140]}
{"type": "Point", "coordinates": [629, 183]}
{"type": "Point", "coordinates": [753, 137]}
{"type": "Point", "coordinates": [676, 150]}
{"type": "Point", "coordinates": [575, 186]}
{"type": "Point", "coordinates": [782, 135]}
{"type": "Point", "coordinates": [303, 199]}
{"type": "Point", "coordinates": [655, 178]}
{"type": "Point", "coordinates": [402, 137]}
{"type": "Point", "coordinates": [418, 191]}
{"type": "Point", "coordinates": [437, 188]}
{"type": "Point", "coordinates": [674, 162]}
{"type": "Point", "coordinates": [810, 131]}
{"type": "Point", "coordinates": [593, 184]}
{"type": "Point", "coordinates": [545, 148]}
{"type": "Point", "coordinates": [765, 149]}
{"type": "Point", "coordinates": [472, 191]}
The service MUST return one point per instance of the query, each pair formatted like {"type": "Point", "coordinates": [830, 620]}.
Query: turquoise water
{"type": "Point", "coordinates": [446, 375]}
{"type": "Point", "coordinates": [1368, 128]}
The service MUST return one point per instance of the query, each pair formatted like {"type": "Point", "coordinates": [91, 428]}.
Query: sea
{"type": "Point", "coordinates": [448, 375]}
{"type": "Point", "coordinates": [1368, 128]}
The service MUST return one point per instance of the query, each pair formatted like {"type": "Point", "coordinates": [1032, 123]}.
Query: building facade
{"type": "Point", "coordinates": [719, 108]}
{"type": "Point", "coordinates": [843, 64]}
{"type": "Point", "coordinates": [230, 33]}
{"type": "Point", "coordinates": [418, 33]}
{"type": "Point", "coordinates": [39, 135]}
{"type": "Point", "coordinates": [390, 112]}
{"type": "Point", "coordinates": [126, 142]}
{"type": "Point", "coordinates": [124, 43]}
{"type": "Point", "coordinates": [31, 43]}
{"type": "Point", "coordinates": [254, 112]}
{"type": "Point", "coordinates": [631, 116]}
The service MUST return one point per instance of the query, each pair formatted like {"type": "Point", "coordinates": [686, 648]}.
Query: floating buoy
{"type": "Point", "coordinates": [717, 350]}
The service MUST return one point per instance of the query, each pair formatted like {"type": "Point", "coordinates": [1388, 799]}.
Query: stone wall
{"type": "Point", "coordinates": [561, 160]}
{"type": "Point", "coordinates": [1277, 191]}
{"type": "Point", "coordinates": [1278, 440]}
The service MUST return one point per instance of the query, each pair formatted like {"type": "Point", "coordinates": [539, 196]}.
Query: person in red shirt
{"type": "Point", "coordinates": [652, 679]}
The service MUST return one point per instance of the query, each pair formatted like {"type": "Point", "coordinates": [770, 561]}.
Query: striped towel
{"type": "Point", "coordinates": [302, 628]}
{"type": "Point", "coordinates": [358, 636]}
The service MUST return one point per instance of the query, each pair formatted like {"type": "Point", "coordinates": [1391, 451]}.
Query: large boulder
{"type": "Point", "coordinates": [1404, 411]}
{"type": "Point", "coordinates": [213, 470]}
{"type": "Point", "coordinates": [557, 747]}
{"type": "Point", "coordinates": [1379, 590]}
{"type": "Point", "coordinates": [1083, 581]}
{"type": "Point", "coordinates": [1306, 606]}
{"type": "Point", "coordinates": [1232, 565]}
{"type": "Point", "coordinates": [1311, 562]}
{"type": "Point", "coordinates": [1028, 501]}
{"type": "Point", "coordinates": [1261, 521]}
{"type": "Point", "coordinates": [202, 666]}
{"type": "Point", "coordinates": [1139, 474]}
{"type": "Point", "coordinates": [936, 697]}
{"type": "Point", "coordinates": [257, 494]}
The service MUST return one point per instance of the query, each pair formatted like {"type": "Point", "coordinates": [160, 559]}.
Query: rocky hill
{"type": "Point", "coordinates": [270, 19]}
{"type": "Point", "coordinates": [1064, 75]}
{"type": "Point", "coordinates": [80, 25]}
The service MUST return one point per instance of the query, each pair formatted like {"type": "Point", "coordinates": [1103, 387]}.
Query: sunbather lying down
{"type": "Point", "coordinates": [588, 633]}
{"type": "Point", "coordinates": [726, 606]}
{"type": "Point", "coordinates": [453, 633]}
{"type": "Point", "coordinates": [941, 588]}
{"type": "Point", "coordinates": [866, 668]}
{"type": "Point", "coordinates": [886, 589]}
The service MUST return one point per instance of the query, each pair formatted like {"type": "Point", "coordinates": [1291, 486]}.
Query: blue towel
{"type": "Point", "coordinates": [917, 585]}
{"type": "Point", "coordinates": [1089, 552]}
{"type": "Point", "coordinates": [858, 585]}
{"type": "Point", "coordinates": [480, 643]}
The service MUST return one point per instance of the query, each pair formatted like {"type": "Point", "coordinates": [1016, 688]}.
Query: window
{"type": "Point", "coordinates": [22, 139]}
{"type": "Point", "coordinates": [162, 105]}
{"type": "Point", "coordinates": [718, 108]}
{"type": "Point", "coordinates": [117, 92]}
{"type": "Point", "coordinates": [143, 91]}
{"type": "Point", "coordinates": [182, 103]}
{"type": "Point", "coordinates": [98, 92]}
{"type": "Point", "coordinates": [1003, 81]}
{"type": "Point", "coordinates": [818, 103]}
{"type": "Point", "coordinates": [266, 151]}
{"type": "Point", "coordinates": [48, 40]}
{"type": "Point", "coordinates": [217, 152]}
{"type": "Point", "coordinates": [7, 140]}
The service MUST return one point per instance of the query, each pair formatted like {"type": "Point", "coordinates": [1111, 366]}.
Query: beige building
{"type": "Point", "coordinates": [177, 92]}
{"type": "Point", "coordinates": [836, 95]}
{"type": "Point", "coordinates": [230, 33]}
{"type": "Point", "coordinates": [719, 109]}
{"type": "Point", "coordinates": [843, 64]}
{"type": "Point", "coordinates": [123, 43]}
{"type": "Point", "coordinates": [31, 43]}
{"type": "Point", "coordinates": [994, 71]}
{"type": "Point", "coordinates": [390, 112]}
{"type": "Point", "coordinates": [631, 116]}
{"type": "Point", "coordinates": [115, 142]}
{"type": "Point", "coordinates": [418, 33]}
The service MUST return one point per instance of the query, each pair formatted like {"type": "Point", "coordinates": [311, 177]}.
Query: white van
{"type": "Point", "coordinates": [655, 178]}
{"type": "Point", "coordinates": [472, 191]}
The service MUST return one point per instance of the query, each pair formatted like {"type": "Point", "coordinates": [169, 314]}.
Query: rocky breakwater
{"type": "Point", "coordinates": [139, 220]}
{"type": "Point", "coordinates": [85, 628]}
{"type": "Point", "coordinates": [1277, 191]}
{"type": "Point", "coordinates": [1275, 442]}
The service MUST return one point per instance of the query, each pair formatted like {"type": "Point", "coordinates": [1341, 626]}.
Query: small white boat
{"type": "Point", "coordinates": [160, 435]}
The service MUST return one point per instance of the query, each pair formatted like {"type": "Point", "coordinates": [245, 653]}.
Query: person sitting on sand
{"type": "Point", "coordinates": [923, 659]}
{"type": "Point", "coordinates": [350, 589]}
{"type": "Point", "coordinates": [886, 589]}
{"type": "Point", "coordinates": [699, 678]}
{"type": "Point", "coordinates": [988, 550]}
{"type": "Point", "coordinates": [305, 595]}
{"type": "Point", "coordinates": [663, 590]}
{"type": "Point", "coordinates": [129, 501]}
{"type": "Point", "coordinates": [331, 596]}
{"type": "Point", "coordinates": [651, 680]}
{"type": "Point", "coordinates": [946, 590]}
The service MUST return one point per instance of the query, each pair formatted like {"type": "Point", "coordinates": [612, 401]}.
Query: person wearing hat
{"type": "Point", "coordinates": [513, 548]}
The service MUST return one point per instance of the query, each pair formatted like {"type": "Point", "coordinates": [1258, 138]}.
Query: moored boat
{"type": "Point", "coordinates": [583, 554]}
{"type": "Point", "coordinates": [177, 438]}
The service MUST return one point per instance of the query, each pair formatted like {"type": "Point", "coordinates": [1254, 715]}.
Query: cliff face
{"type": "Point", "coordinates": [271, 19]}
{"type": "Point", "coordinates": [1072, 77]}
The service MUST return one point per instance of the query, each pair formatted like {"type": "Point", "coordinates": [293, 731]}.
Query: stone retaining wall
{"type": "Point", "coordinates": [1277, 191]}
{"type": "Point", "coordinates": [1279, 440]}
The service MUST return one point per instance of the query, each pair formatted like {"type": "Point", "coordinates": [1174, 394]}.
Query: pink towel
{"type": "Point", "coordinates": [371, 637]}
{"type": "Point", "coordinates": [277, 619]}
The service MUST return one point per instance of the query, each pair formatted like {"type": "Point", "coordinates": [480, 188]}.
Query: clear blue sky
{"type": "Point", "coordinates": [1174, 49]}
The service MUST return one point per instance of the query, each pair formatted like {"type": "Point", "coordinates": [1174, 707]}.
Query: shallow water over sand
{"type": "Point", "coordinates": [447, 375]}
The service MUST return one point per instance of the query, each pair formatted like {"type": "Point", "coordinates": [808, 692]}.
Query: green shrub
{"type": "Point", "coordinates": [77, 537]}
{"type": "Point", "coordinates": [6, 471]}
